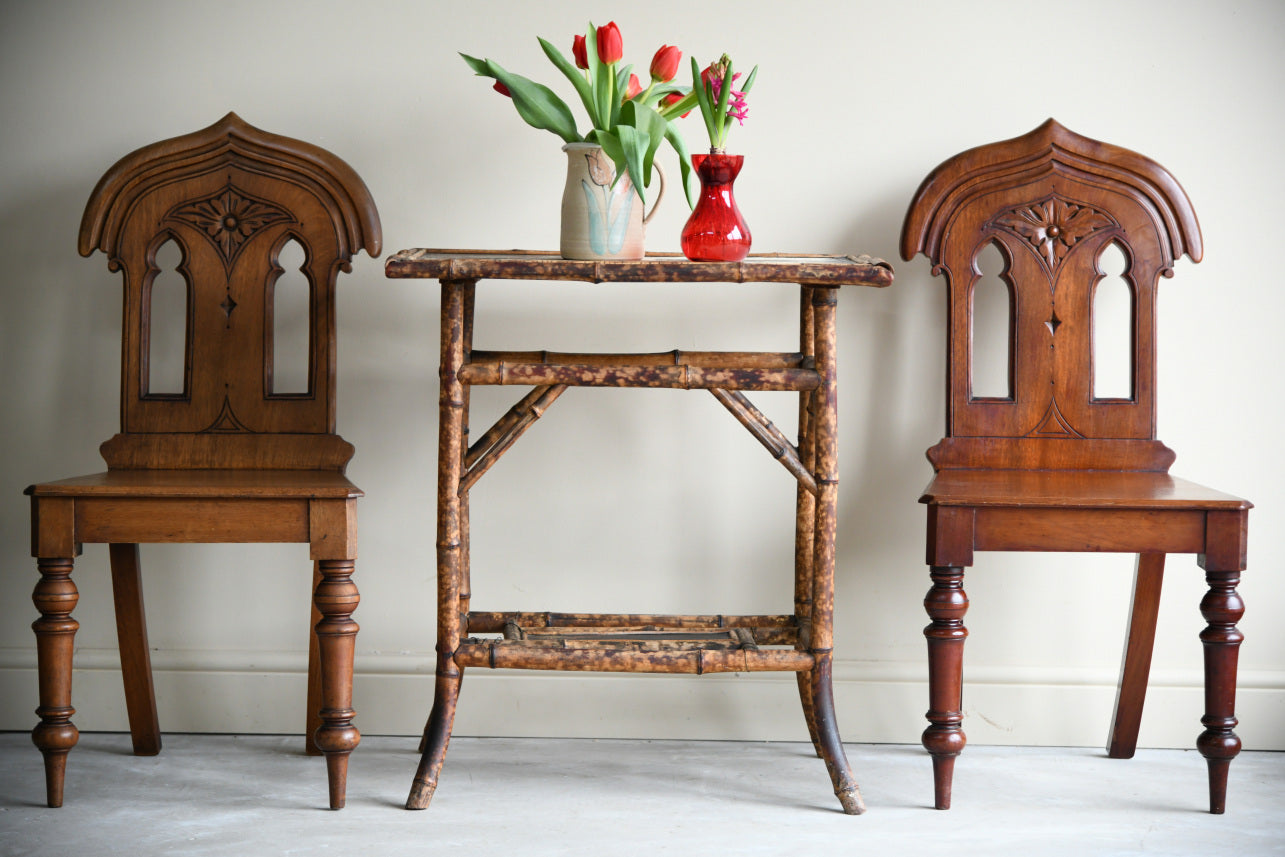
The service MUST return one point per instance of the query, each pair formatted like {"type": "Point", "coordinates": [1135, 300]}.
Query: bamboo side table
{"type": "Point", "coordinates": [800, 642]}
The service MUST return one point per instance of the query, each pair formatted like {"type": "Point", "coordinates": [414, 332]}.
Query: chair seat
{"type": "Point", "coordinates": [1074, 489]}
{"type": "Point", "coordinates": [223, 484]}
{"type": "Point", "coordinates": [131, 506]}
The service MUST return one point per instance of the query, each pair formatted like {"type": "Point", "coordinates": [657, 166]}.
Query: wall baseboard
{"type": "Point", "coordinates": [263, 692]}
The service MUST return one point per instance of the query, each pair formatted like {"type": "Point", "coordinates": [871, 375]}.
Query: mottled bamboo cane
{"type": "Point", "coordinates": [450, 462]}
{"type": "Point", "coordinates": [825, 425]}
{"type": "Point", "coordinates": [493, 623]}
{"type": "Point", "coordinates": [836, 761]}
{"type": "Point", "coordinates": [466, 585]}
{"type": "Point", "coordinates": [826, 468]}
{"type": "Point", "coordinates": [501, 426]}
{"type": "Point", "coordinates": [519, 655]}
{"type": "Point", "coordinates": [532, 412]}
{"type": "Point", "coordinates": [767, 434]}
{"type": "Point", "coordinates": [684, 377]}
{"type": "Point", "coordinates": [469, 295]}
{"type": "Point", "coordinates": [703, 359]}
{"type": "Point", "coordinates": [656, 268]}
{"type": "Point", "coordinates": [618, 642]}
{"type": "Point", "coordinates": [55, 597]}
{"type": "Point", "coordinates": [805, 516]}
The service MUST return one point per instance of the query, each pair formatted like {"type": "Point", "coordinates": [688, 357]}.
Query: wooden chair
{"type": "Point", "coordinates": [225, 458]}
{"type": "Point", "coordinates": [1053, 466]}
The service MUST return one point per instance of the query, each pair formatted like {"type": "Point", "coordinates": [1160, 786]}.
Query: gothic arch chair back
{"type": "Point", "coordinates": [226, 452]}
{"type": "Point", "coordinates": [1050, 464]}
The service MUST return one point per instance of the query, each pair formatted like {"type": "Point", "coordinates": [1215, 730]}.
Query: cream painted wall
{"type": "Point", "coordinates": [649, 500]}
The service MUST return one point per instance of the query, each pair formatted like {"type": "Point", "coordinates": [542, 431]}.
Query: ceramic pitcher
{"type": "Point", "coordinates": [600, 221]}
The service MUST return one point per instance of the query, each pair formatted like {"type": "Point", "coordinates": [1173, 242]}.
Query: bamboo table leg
{"type": "Point", "coordinates": [826, 418]}
{"type": "Point", "coordinates": [456, 294]}
{"type": "Point", "coordinates": [805, 519]}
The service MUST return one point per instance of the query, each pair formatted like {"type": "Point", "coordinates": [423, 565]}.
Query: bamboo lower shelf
{"type": "Point", "coordinates": [658, 644]}
{"type": "Point", "coordinates": [799, 642]}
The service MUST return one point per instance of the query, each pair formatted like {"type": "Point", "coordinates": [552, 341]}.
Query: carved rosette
{"type": "Point", "coordinates": [1053, 226]}
{"type": "Point", "coordinates": [229, 219]}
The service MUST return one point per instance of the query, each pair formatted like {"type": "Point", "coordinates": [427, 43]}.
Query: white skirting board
{"type": "Point", "coordinates": [263, 692]}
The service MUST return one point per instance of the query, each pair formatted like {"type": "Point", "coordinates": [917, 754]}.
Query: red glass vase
{"type": "Point", "coordinates": [716, 231]}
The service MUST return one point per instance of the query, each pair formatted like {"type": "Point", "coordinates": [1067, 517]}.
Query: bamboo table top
{"type": "Point", "coordinates": [802, 269]}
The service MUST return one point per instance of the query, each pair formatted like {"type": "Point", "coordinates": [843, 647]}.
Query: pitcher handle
{"type": "Point", "coordinates": [660, 194]}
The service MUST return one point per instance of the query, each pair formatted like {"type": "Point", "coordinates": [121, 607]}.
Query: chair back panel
{"type": "Point", "coordinates": [231, 197]}
{"type": "Point", "coordinates": [1052, 202]}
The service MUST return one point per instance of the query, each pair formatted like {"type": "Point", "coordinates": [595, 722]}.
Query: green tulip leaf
{"type": "Point", "coordinates": [649, 122]}
{"type": "Point", "coordinates": [537, 104]}
{"type": "Point", "coordinates": [634, 143]}
{"type": "Point", "coordinates": [684, 162]}
{"type": "Point", "coordinates": [478, 66]}
{"type": "Point", "coordinates": [572, 74]}
{"type": "Point", "coordinates": [724, 96]}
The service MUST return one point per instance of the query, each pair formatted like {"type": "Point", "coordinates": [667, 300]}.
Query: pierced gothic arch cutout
{"type": "Point", "coordinates": [992, 315]}
{"type": "Point", "coordinates": [288, 325]}
{"type": "Point", "coordinates": [167, 318]}
{"type": "Point", "coordinates": [1114, 315]}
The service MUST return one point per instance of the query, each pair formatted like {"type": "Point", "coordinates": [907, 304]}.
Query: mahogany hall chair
{"type": "Point", "coordinates": [1057, 465]}
{"type": "Point", "coordinates": [225, 454]}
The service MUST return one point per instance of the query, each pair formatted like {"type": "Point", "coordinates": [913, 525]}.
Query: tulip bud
{"type": "Point", "coordinates": [579, 52]}
{"type": "Point", "coordinates": [634, 87]}
{"type": "Point", "coordinates": [664, 65]}
{"type": "Point", "coordinates": [674, 98]}
{"type": "Point", "coordinates": [502, 89]}
{"type": "Point", "coordinates": [610, 45]}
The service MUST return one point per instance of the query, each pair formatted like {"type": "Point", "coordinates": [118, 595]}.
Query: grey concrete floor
{"type": "Point", "coordinates": [224, 795]}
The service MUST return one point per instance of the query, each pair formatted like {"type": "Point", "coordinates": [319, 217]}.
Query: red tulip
{"type": "Point", "coordinates": [634, 87]}
{"type": "Point", "coordinates": [610, 46]}
{"type": "Point", "coordinates": [674, 98]}
{"type": "Point", "coordinates": [664, 65]}
{"type": "Point", "coordinates": [502, 89]}
{"type": "Point", "coordinates": [579, 52]}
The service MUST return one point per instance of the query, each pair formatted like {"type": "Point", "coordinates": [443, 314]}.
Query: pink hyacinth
{"type": "Point", "coordinates": [736, 105]}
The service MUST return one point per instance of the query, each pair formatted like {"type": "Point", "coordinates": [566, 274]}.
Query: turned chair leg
{"type": "Point", "coordinates": [1222, 608]}
{"type": "Point", "coordinates": [1136, 663]}
{"type": "Point", "coordinates": [437, 734]}
{"type": "Point", "coordinates": [135, 656]}
{"type": "Point", "coordinates": [312, 717]}
{"type": "Point", "coordinates": [55, 597]}
{"type": "Point", "coordinates": [336, 598]}
{"type": "Point", "coordinates": [946, 604]}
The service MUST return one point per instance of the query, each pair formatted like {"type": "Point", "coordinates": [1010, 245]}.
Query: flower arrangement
{"type": "Point", "coordinates": [628, 121]}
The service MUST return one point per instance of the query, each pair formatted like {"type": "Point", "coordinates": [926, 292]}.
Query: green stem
{"type": "Point", "coordinates": [611, 96]}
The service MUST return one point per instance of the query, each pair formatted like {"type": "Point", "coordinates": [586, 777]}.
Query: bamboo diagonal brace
{"type": "Point", "coordinates": [501, 437]}
{"type": "Point", "coordinates": [772, 438]}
